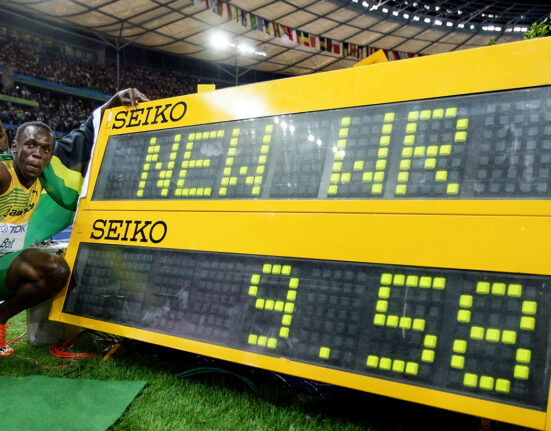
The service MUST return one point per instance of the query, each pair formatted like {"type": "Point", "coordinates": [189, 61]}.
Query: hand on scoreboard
{"type": "Point", "coordinates": [128, 97]}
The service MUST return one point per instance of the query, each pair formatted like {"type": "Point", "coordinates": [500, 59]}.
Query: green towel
{"type": "Point", "coordinates": [39, 403]}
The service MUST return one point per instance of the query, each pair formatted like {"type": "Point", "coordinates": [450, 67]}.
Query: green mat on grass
{"type": "Point", "coordinates": [46, 403]}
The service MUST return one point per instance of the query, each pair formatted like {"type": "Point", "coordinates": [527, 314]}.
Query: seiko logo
{"type": "Point", "coordinates": [129, 230]}
{"type": "Point", "coordinates": [150, 115]}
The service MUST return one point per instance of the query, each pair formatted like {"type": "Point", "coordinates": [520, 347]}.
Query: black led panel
{"type": "Point", "coordinates": [492, 145]}
{"type": "Point", "coordinates": [478, 333]}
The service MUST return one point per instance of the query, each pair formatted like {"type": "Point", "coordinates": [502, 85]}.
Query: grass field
{"type": "Point", "coordinates": [240, 398]}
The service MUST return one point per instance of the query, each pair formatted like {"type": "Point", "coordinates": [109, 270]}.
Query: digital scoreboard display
{"type": "Point", "coordinates": [383, 228]}
{"type": "Point", "coordinates": [476, 332]}
{"type": "Point", "coordinates": [477, 146]}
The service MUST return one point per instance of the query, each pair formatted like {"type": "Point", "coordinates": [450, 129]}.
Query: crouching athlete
{"type": "Point", "coordinates": [28, 276]}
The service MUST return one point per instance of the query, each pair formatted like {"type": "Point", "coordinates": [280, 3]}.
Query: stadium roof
{"type": "Point", "coordinates": [185, 27]}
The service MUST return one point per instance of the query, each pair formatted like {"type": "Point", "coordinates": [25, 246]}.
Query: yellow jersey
{"type": "Point", "coordinates": [16, 207]}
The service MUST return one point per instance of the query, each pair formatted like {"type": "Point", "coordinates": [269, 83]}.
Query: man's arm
{"type": "Point", "coordinates": [3, 139]}
{"type": "Point", "coordinates": [64, 176]}
{"type": "Point", "coordinates": [5, 179]}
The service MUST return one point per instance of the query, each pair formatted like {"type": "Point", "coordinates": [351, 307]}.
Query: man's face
{"type": "Point", "coordinates": [32, 153]}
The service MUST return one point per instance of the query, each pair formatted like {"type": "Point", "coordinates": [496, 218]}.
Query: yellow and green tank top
{"type": "Point", "coordinates": [18, 202]}
{"type": "Point", "coordinates": [17, 205]}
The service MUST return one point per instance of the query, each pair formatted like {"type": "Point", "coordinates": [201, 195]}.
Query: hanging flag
{"type": "Point", "coordinates": [269, 27]}
{"type": "Point", "coordinates": [228, 12]}
{"type": "Point", "coordinates": [294, 35]}
{"type": "Point", "coordinates": [313, 40]}
{"type": "Point", "coordinates": [288, 32]}
{"type": "Point", "coordinates": [300, 37]}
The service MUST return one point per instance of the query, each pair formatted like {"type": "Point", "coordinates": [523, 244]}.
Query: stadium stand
{"type": "Point", "coordinates": [62, 91]}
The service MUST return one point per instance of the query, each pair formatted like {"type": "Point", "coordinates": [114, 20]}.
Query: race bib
{"type": "Point", "coordinates": [12, 237]}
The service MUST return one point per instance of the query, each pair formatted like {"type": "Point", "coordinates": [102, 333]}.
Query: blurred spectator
{"type": "Point", "coordinates": [62, 112]}
{"type": "Point", "coordinates": [39, 63]}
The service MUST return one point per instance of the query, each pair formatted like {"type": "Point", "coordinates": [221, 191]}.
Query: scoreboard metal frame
{"type": "Point", "coordinates": [446, 232]}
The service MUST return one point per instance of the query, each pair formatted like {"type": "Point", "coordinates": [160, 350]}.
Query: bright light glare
{"type": "Point", "coordinates": [219, 40]}
{"type": "Point", "coordinates": [311, 138]}
{"type": "Point", "coordinates": [245, 49]}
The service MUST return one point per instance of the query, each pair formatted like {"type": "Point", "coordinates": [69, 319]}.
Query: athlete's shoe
{"type": "Point", "coordinates": [5, 350]}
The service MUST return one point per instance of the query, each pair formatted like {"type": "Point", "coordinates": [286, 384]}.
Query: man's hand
{"type": "Point", "coordinates": [128, 97]}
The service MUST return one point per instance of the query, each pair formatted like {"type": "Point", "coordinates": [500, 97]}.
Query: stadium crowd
{"type": "Point", "coordinates": [55, 67]}
{"type": "Point", "coordinates": [60, 111]}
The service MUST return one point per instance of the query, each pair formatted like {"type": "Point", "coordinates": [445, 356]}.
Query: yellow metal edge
{"type": "Point", "coordinates": [341, 206]}
{"type": "Point", "coordinates": [377, 57]}
{"type": "Point", "coordinates": [446, 400]}
{"type": "Point", "coordinates": [548, 416]}
{"type": "Point", "coordinates": [511, 244]}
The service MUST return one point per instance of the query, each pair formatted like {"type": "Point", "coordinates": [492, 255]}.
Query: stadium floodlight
{"type": "Point", "coordinates": [245, 49]}
{"type": "Point", "coordinates": [219, 40]}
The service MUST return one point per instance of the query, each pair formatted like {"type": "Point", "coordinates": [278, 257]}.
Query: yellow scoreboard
{"type": "Point", "coordinates": [384, 228]}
